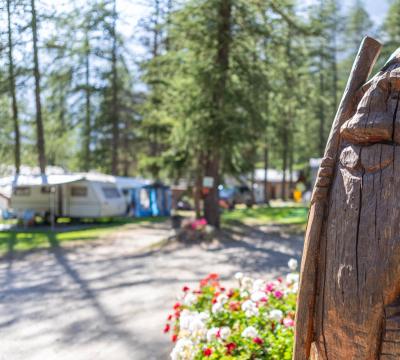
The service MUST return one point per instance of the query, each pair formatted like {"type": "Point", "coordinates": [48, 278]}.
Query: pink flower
{"type": "Point", "coordinates": [258, 341]}
{"type": "Point", "coordinates": [278, 294]}
{"type": "Point", "coordinates": [288, 322]}
{"type": "Point", "coordinates": [270, 287]}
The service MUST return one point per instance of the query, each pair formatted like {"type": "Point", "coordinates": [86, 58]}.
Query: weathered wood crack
{"type": "Point", "coordinates": [349, 296]}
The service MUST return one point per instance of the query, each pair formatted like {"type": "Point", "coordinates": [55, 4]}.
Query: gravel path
{"type": "Point", "coordinates": [109, 299]}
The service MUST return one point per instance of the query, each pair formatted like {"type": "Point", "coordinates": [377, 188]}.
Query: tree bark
{"type": "Point", "coordinates": [11, 74]}
{"type": "Point", "coordinates": [41, 148]}
{"type": "Point", "coordinates": [266, 164]}
{"type": "Point", "coordinates": [310, 266]}
{"type": "Point", "coordinates": [88, 109]}
{"type": "Point", "coordinates": [114, 100]}
{"type": "Point", "coordinates": [211, 201]}
{"type": "Point", "coordinates": [212, 168]}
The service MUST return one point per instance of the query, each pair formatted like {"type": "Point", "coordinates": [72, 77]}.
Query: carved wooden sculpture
{"type": "Point", "coordinates": [349, 296]}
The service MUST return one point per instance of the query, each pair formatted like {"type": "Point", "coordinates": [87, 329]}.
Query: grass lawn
{"type": "Point", "coordinates": [259, 215]}
{"type": "Point", "coordinates": [21, 239]}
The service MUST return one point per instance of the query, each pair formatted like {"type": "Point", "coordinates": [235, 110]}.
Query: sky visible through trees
{"type": "Point", "coordinates": [172, 89]}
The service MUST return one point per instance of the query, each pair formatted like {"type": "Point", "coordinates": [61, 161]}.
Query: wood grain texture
{"type": "Point", "coordinates": [310, 323]}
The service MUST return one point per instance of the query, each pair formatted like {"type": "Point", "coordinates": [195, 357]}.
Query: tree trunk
{"type": "Point", "coordinates": [41, 148]}
{"type": "Point", "coordinates": [11, 74]}
{"type": "Point", "coordinates": [198, 186]}
{"type": "Point", "coordinates": [266, 161]}
{"type": "Point", "coordinates": [211, 202]}
{"type": "Point", "coordinates": [114, 101]}
{"type": "Point", "coordinates": [284, 163]}
{"type": "Point", "coordinates": [88, 109]}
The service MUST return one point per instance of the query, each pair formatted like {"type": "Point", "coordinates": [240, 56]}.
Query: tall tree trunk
{"type": "Point", "coordinates": [211, 202]}
{"type": "Point", "coordinates": [11, 74]}
{"type": "Point", "coordinates": [198, 186]}
{"type": "Point", "coordinates": [266, 165]}
{"type": "Point", "coordinates": [284, 163]}
{"type": "Point", "coordinates": [114, 101]}
{"type": "Point", "coordinates": [88, 108]}
{"type": "Point", "coordinates": [41, 148]}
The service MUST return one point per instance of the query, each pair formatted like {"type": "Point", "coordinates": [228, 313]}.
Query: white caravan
{"type": "Point", "coordinates": [74, 196]}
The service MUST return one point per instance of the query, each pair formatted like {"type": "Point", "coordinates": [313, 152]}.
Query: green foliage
{"type": "Point", "coordinates": [251, 321]}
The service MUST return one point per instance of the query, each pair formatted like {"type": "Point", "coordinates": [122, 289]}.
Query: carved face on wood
{"type": "Point", "coordinates": [359, 286]}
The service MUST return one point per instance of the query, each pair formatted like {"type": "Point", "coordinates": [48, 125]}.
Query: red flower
{"type": "Point", "coordinates": [222, 289]}
{"type": "Point", "coordinates": [258, 341]}
{"type": "Point", "coordinates": [230, 347]}
{"type": "Point", "coordinates": [174, 338]}
{"type": "Point", "coordinates": [167, 328]}
{"type": "Point", "coordinates": [213, 276]}
{"type": "Point", "coordinates": [231, 292]}
{"type": "Point", "coordinates": [185, 289]}
{"type": "Point", "coordinates": [207, 352]}
{"type": "Point", "coordinates": [177, 306]}
{"type": "Point", "coordinates": [234, 305]}
{"type": "Point", "coordinates": [169, 318]}
{"type": "Point", "coordinates": [177, 314]}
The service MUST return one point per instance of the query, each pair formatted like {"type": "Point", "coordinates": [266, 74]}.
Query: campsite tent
{"type": "Point", "coordinates": [71, 195]}
{"type": "Point", "coordinates": [151, 200]}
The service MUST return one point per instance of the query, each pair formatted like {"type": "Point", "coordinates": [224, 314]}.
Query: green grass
{"type": "Point", "coordinates": [20, 239]}
{"type": "Point", "coordinates": [285, 215]}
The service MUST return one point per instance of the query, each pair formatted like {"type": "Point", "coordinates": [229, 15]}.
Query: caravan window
{"type": "Point", "coordinates": [45, 190]}
{"type": "Point", "coordinates": [79, 191]}
{"type": "Point", "coordinates": [22, 191]}
{"type": "Point", "coordinates": [111, 192]}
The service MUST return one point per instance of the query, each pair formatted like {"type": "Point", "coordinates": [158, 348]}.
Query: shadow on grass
{"type": "Point", "coordinates": [22, 240]}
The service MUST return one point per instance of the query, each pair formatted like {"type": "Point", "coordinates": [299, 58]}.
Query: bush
{"type": "Point", "coordinates": [254, 320]}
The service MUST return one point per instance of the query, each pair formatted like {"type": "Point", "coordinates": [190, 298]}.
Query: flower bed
{"type": "Point", "coordinates": [254, 320]}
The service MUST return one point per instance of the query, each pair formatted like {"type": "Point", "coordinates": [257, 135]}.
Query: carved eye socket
{"type": "Point", "coordinates": [350, 157]}
{"type": "Point", "coordinates": [368, 158]}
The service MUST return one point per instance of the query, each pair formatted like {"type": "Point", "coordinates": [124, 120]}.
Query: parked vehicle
{"type": "Point", "coordinates": [74, 196]}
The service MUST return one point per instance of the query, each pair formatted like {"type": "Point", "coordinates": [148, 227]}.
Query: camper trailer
{"type": "Point", "coordinates": [74, 196]}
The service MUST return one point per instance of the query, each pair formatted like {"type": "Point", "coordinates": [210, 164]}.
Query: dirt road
{"type": "Point", "coordinates": [109, 299]}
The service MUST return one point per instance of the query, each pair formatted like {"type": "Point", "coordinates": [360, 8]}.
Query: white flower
{"type": "Point", "coordinates": [276, 315]}
{"type": "Point", "coordinates": [247, 283]}
{"type": "Point", "coordinates": [250, 308]}
{"type": "Point", "coordinates": [257, 296]}
{"type": "Point", "coordinates": [292, 278]}
{"type": "Point", "coordinates": [224, 332]}
{"type": "Point", "coordinates": [250, 332]}
{"type": "Point", "coordinates": [244, 294]}
{"type": "Point", "coordinates": [212, 334]}
{"type": "Point", "coordinates": [189, 299]}
{"type": "Point", "coordinates": [258, 285]}
{"type": "Point", "coordinates": [222, 299]}
{"type": "Point", "coordinates": [295, 288]}
{"type": "Point", "coordinates": [217, 307]}
{"type": "Point", "coordinates": [183, 350]}
{"type": "Point", "coordinates": [293, 264]}
{"type": "Point", "coordinates": [239, 276]}
{"type": "Point", "coordinates": [204, 316]}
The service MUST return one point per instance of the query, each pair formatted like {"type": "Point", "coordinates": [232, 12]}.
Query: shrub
{"type": "Point", "coordinates": [254, 320]}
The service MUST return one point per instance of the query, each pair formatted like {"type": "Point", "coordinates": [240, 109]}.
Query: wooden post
{"type": "Point", "coordinates": [362, 67]}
